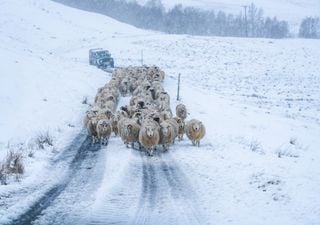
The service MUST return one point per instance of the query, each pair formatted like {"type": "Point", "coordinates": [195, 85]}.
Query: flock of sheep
{"type": "Point", "coordinates": [147, 120]}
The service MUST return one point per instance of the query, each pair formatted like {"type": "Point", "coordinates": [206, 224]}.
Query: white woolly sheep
{"type": "Point", "coordinates": [91, 128]}
{"type": "Point", "coordinates": [129, 131]}
{"type": "Point", "coordinates": [195, 131]}
{"type": "Point", "coordinates": [181, 111]}
{"type": "Point", "coordinates": [167, 134]}
{"type": "Point", "coordinates": [149, 137]}
{"type": "Point", "coordinates": [104, 130]}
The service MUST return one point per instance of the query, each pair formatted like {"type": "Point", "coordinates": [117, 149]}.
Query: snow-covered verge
{"type": "Point", "coordinates": [259, 99]}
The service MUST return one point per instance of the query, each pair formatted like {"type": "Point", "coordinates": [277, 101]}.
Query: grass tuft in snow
{"type": "Point", "coordinates": [85, 100]}
{"type": "Point", "coordinates": [293, 141]}
{"type": "Point", "coordinates": [11, 165]}
{"type": "Point", "coordinates": [255, 146]}
{"type": "Point", "coordinates": [44, 139]}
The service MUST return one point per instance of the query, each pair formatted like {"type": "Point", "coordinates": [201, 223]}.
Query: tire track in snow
{"type": "Point", "coordinates": [166, 195]}
{"type": "Point", "coordinates": [119, 201]}
{"type": "Point", "coordinates": [184, 197]}
{"type": "Point", "coordinates": [148, 194]}
{"type": "Point", "coordinates": [81, 145]}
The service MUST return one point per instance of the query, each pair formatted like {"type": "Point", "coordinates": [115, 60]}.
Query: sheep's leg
{"type": "Point", "coordinates": [165, 147]}
{"type": "Point", "coordinates": [132, 145]}
{"type": "Point", "coordinates": [150, 152]}
{"type": "Point", "coordinates": [93, 140]}
{"type": "Point", "coordinates": [198, 142]}
{"type": "Point", "coordinates": [107, 140]}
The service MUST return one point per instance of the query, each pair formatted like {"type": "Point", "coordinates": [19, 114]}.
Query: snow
{"type": "Point", "coordinates": [258, 98]}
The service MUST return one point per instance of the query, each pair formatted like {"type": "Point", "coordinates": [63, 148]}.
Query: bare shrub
{"type": "Point", "coordinates": [12, 165]}
{"type": "Point", "coordinates": [3, 174]}
{"type": "Point", "coordinates": [44, 139]}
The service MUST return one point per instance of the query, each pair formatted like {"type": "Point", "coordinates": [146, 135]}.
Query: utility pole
{"type": "Point", "coordinates": [178, 92]}
{"type": "Point", "coordinates": [245, 19]}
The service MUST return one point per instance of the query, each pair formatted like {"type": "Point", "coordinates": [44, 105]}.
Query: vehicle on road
{"type": "Point", "coordinates": [101, 58]}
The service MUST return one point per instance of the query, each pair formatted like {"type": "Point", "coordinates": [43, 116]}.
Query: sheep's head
{"type": "Point", "coordinates": [196, 127]}
{"type": "Point", "coordinates": [181, 124]}
{"type": "Point", "coordinates": [129, 127]}
{"type": "Point", "coordinates": [165, 130]}
{"type": "Point", "coordinates": [115, 118]}
{"type": "Point", "coordinates": [103, 124]}
{"type": "Point", "coordinates": [108, 113]}
{"type": "Point", "coordinates": [150, 131]}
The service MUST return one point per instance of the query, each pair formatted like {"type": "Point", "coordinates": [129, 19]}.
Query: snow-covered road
{"type": "Point", "coordinates": [140, 190]}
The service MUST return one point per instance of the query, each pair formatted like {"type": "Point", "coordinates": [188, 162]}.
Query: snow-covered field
{"type": "Point", "coordinates": [259, 99]}
{"type": "Point", "coordinates": [292, 11]}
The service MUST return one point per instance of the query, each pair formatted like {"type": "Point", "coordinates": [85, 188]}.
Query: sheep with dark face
{"type": "Point", "coordinates": [181, 111]}
{"type": "Point", "coordinates": [195, 131]}
{"type": "Point", "coordinates": [181, 125]}
{"type": "Point", "coordinates": [149, 137]}
{"type": "Point", "coordinates": [104, 130]}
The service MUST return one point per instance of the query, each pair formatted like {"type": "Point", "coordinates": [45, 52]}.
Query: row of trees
{"type": "Point", "coordinates": [187, 20]}
{"type": "Point", "coordinates": [310, 28]}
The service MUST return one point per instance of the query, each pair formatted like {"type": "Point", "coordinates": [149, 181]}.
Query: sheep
{"type": "Point", "coordinates": [167, 134]}
{"type": "Point", "coordinates": [149, 137]}
{"type": "Point", "coordinates": [181, 111]}
{"type": "Point", "coordinates": [91, 127]}
{"type": "Point", "coordinates": [114, 123]}
{"type": "Point", "coordinates": [104, 130]}
{"type": "Point", "coordinates": [164, 98]}
{"type": "Point", "coordinates": [129, 131]}
{"type": "Point", "coordinates": [124, 87]}
{"type": "Point", "coordinates": [166, 114]}
{"type": "Point", "coordinates": [147, 119]}
{"type": "Point", "coordinates": [87, 117]}
{"type": "Point", "coordinates": [181, 124]}
{"type": "Point", "coordinates": [175, 126]}
{"type": "Point", "coordinates": [195, 131]}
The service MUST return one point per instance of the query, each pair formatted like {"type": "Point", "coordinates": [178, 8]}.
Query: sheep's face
{"type": "Point", "coordinates": [181, 125]}
{"type": "Point", "coordinates": [103, 125]}
{"type": "Point", "coordinates": [128, 130]}
{"type": "Point", "coordinates": [108, 113]}
{"type": "Point", "coordinates": [149, 131]}
{"type": "Point", "coordinates": [165, 130]}
{"type": "Point", "coordinates": [196, 127]}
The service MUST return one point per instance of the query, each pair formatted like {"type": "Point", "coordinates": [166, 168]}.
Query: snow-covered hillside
{"type": "Point", "coordinates": [292, 11]}
{"type": "Point", "coordinates": [259, 99]}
